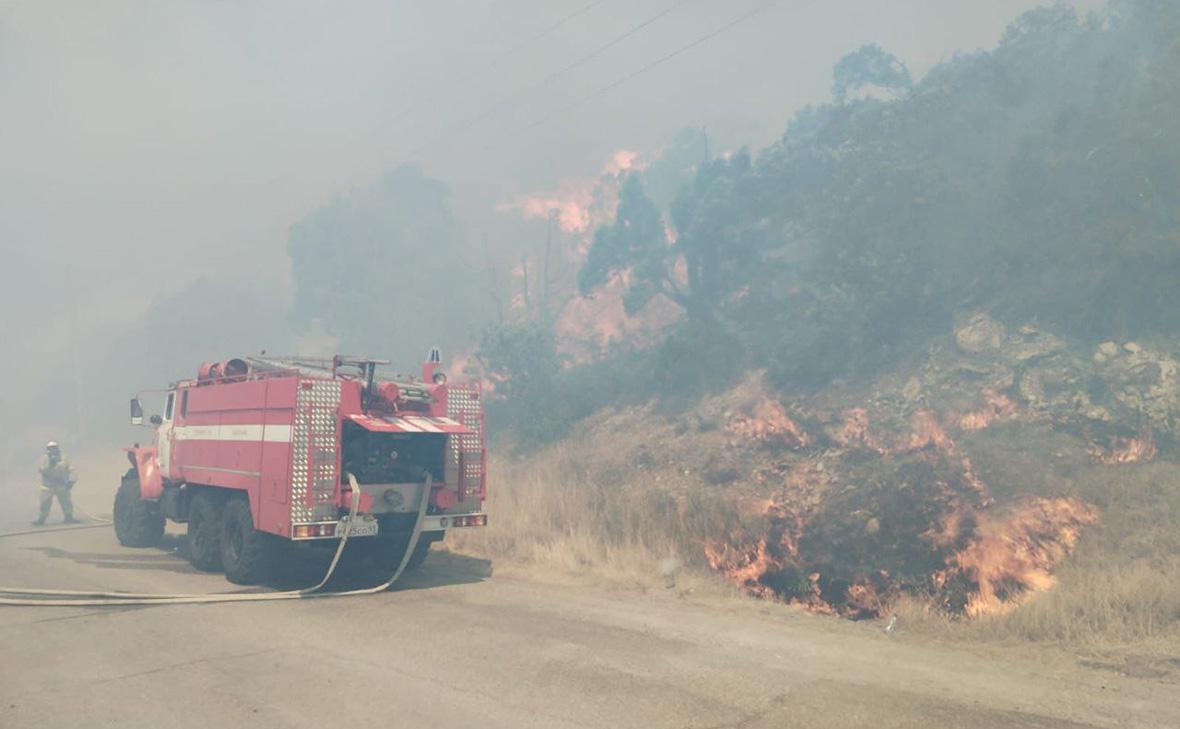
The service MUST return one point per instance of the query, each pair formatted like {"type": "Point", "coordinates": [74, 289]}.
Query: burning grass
{"type": "Point", "coordinates": [906, 533]}
{"type": "Point", "coordinates": [1120, 586]}
{"type": "Point", "coordinates": [909, 524]}
{"type": "Point", "coordinates": [982, 513]}
{"type": "Point", "coordinates": [1125, 450]}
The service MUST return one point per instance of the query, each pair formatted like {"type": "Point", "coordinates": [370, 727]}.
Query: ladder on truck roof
{"type": "Point", "coordinates": [315, 366]}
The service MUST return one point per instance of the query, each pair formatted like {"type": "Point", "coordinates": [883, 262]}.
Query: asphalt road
{"type": "Point", "coordinates": [455, 646]}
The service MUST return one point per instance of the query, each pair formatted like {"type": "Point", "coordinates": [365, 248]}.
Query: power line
{"type": "Point", "coordinates": [625, 79]}
{"type": "Point", "coordinates": [524, 91]}
{"type": "Point", "coordinates": [565, 20]}
{"type": "Point", "coordinates": [576, 14]}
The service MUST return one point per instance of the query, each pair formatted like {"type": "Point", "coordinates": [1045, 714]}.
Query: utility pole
{"type": "Point", "coordinates": [524, 270]}
{"type": "Point", "coordinates": [493, 287]}
{"type": "Point", "coordinates": [545, 269]}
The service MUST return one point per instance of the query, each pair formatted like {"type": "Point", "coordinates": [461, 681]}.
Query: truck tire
{"type": "Point", "coordinates": [246, 553]}
{"type": "Point", "coordinates": [204, 531]}
{"type": "Point", "coordinates": [138, 523]}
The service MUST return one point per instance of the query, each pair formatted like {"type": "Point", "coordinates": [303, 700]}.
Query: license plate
{"type": "Point", "coordinates": [364, 526]}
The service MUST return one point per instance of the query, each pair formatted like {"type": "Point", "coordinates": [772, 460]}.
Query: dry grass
{"type": "Point", "coordinates": [1121, 587]}
{"type": "Point", "coordinates": [1092, 606]}
{"type": "Point", "coordinates": [596, 505]}
{"type": "Point", "coordinates": [565, 511]}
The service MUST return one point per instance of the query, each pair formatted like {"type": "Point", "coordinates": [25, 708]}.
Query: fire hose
{"type": "Point", "coordinates": [95, 523]}
{"type": "Point", "coordinates": [80, 598]}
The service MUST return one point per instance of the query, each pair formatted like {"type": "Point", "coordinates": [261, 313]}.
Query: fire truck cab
{"type": "Point", "coordinates": [255, 454]}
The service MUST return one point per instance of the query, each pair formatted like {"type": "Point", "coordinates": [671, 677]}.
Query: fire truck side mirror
{"type": "Point", "coordinates": [136, 412]}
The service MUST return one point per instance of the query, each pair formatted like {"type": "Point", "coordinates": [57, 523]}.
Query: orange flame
{"type": "Point", "coordinates": [578, 204]}
{"type": "Point", "coordinates": [998, 407]}
{"type": "Point", "coordinates": [928, 433]}
{"type": "Point", "coordinates": [589, 326]}
{"type": "Point", "coordinates": [937, 507]}
{"type": "Point", "coordinates": [1011, 557]}
{"type": "Point", "coordinates": [854, 431]}
{"type": "Point", "coordinates": [1126, 450]}
{"type": "Point", "coordinates": [769, 423]}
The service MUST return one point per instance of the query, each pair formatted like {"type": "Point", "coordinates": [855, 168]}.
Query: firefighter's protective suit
{"type": "Point", "coordinates": [57, 478]}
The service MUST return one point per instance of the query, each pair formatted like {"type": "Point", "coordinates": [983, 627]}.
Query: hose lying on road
{"type": "Point", "coordinates": [78, 598]}
{"type": "Point", "coordinates": [51, 530]}
{"type": "Point", "coordinates": [95, 522]}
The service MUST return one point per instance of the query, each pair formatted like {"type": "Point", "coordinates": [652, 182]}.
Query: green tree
{"type": "Point", "coordinates": [869, 65]}
{"type": "Point", "coordinates": [388, 269]}
{"type": "Point", "coordinates": [636, 242]}
{"type": "Point", "coordinates": [713, 251]}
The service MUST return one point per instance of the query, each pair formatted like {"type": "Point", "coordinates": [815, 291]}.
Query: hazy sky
{"type": "Point", "coordinates": [143, 144]}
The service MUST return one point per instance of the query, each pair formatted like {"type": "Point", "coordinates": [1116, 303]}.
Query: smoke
{"type": "Point", "coordinates": [155, 158]}
{"type": "Point", "coordinates": [144, 147]}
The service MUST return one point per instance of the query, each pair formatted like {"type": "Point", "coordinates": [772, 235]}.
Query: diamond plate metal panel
{"type": "Point", "coordinates": [466, 451]}
{"type": "Point", "coordinates": [315, 439]}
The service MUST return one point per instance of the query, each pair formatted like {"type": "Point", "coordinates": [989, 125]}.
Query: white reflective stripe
{"type": "Point", "coordinates": [404, 424]}
{"type": "Point", "coordinates": [276, 433]}
{"type": "Point", "coordinates": [219, 470]}
{"type": "Point", "coordinates": [422, 424]}
{"type": "Point", "coordinates": [195, 432]}
{"type": "Point", "coordinates": [234, 433]}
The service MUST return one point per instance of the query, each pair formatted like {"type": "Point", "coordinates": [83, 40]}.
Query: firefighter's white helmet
{"type": "Point", "coordinates": [52, 445]}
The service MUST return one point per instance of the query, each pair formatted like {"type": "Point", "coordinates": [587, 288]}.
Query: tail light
{"type": "Point", "coordinates": [308, 531]}
{"type": "Point", "coordinates": [469, 520]}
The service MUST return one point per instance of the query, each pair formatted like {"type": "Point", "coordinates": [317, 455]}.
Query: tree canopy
{"type": "Point", "coordinates": [1040, 180]}
{"type": "Point", "coordinates": [387, 269]}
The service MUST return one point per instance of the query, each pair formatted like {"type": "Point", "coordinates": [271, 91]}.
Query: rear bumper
{"type": "Point", "coordinates": [442, 522]}
{"type": "Point", "coordinates": [430, 523]}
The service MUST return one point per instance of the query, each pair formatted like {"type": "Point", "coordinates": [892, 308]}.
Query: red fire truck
{"type": "Point", "coordinates": [256, 453]}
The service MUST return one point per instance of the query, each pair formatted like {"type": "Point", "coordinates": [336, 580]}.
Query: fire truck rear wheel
{"type": "Point", "coordinates": [138, 523]}
{"type": "Point", "coordinates": [204, 531]}
{"type": "Point", "coordinates": [246, 553]}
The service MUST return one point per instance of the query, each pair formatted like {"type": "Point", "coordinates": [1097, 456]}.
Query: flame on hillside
{"type": "Point", "coordinates": [1010, 557]}
{"type": "Point", "coordinates": [999, 407]}
{"type": "Point", "coordinates": [1126, 450]}
{"type": "Point", "coordinates": [849, 537]}
{"type": "Point", "coordinates": [587, 327]}
{"type": "Point", "coordinates": [590, 325]}
{"type": "Point", "coordinates": [854, 431]}
{"type": "Point", "coordinates": [578, 204]}
{"type": "Point", "coordinates": [928, 433]}
{"type": "Point", "coordinates": [768, 422]}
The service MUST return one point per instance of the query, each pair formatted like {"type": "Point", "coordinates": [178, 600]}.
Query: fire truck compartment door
{"type": "Point", "coordinates": [410, 424]}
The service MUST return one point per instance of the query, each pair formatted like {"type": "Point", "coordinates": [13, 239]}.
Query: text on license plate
{"type": "Point", "coordinates": [364, 526]}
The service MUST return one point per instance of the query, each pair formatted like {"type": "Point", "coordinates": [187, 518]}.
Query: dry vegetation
{"type": "Point", "coordinates": [1122, 585]}
{"type": "Point", "coordinates": [630, 499]}
{"type": "Point", "coordinates": [560, 511]}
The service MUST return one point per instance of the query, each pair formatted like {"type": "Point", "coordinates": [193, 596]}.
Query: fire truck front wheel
{"type": "Point", "coordinates": [246, 553]}
{"type": "Point", "coordinates": [138, 523]}
{"type": "Point", "coordinates": [204, 531]}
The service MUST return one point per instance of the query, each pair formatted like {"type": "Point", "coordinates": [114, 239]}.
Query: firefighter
{"type": "Point", "coordinates": [57, 478]}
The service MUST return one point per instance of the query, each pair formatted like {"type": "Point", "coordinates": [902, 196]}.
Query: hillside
{"type": "Point", "coordinates": [1003, 476]}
